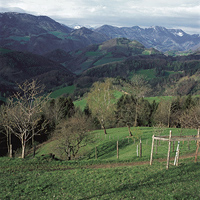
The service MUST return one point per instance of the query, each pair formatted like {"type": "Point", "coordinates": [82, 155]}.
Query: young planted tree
{"type": "Point", "coordinates": [25, 112]}
{"type": "Point", "coordinates": [73, 134]}
{"type": "Point", "coordinates": [101, 101]}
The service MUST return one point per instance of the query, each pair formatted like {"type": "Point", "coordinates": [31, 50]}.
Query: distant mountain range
{"type": "Point", "coordinates": [160, 38]}
{"type": "Point", "coordinates": [41, 34]}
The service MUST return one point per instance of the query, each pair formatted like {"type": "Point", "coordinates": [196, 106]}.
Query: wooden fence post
{"type": "Point", "coordinates": [188, 145]}
{"type": "Point", "coordinates": [177, 157]}
{"type": "Point", "coordinates": [197, 149]}
{"type": "Point", "coordinates": [156, 147]}
{"type": "Point", "coordinates": [151, 158]}
{"type": "Point", "coordinates": [177, 154]}
{"type": "Point", "coordinates": [96, 152]}
{"type": "Point", "coordinates": [117, 150]}
{"type": "Point", "coordinates": [169, 148]}
{"type": "Point", "coordinates": [140, 148]}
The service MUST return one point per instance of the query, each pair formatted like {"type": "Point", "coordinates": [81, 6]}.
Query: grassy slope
{"type": "Point", "coordinates": [106, 145]}
{"type": "Point", "coordinates": [82, 103]}
{"type": "Point", "coordinates": [61, 91]}
{"type": "Point", "coordinates": [104, 178]}
{"type": "Point", "coordinates": [51, 180]}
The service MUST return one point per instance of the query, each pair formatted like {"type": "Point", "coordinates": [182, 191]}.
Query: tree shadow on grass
{"type": "Point", "coordinates": [159, 184]}
{"type": "Point", "coordinates": [108, 149]}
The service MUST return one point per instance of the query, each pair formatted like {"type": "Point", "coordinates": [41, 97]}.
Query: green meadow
{"type": "Point", "coordinates": [105, 176]}
{"type": "Point", "coordinates": [65, 90]}
{"type": "Point", "coordinates": [104, 147]}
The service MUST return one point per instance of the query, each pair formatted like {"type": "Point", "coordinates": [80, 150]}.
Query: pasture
{"type": "Point", "coordinates": [104, 147]}
{"type": "Point", "coordinates": [44, 179]}
{"type": "Point", "coordinates": [105, 177]}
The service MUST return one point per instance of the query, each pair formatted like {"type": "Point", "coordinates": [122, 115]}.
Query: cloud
{"type": "Point", "coordinates": [12, 9]}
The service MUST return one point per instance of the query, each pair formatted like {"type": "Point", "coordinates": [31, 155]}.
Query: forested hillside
{"type": "Point", "coordinates": [16, 67]}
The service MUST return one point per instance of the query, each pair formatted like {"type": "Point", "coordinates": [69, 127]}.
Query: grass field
{"type": "Point", "coordinates": [61, 91]}
{"type": "Point", "coordinates": [2, 50]}
{"type": "Point", "coordinates": [18, 38]}
{"type": "Point", "coordinates": [37, 179]}
{"type": "Point", "coordinates": [106, 145]}
{"type": "Point", "coordinates": [148, 73]}
{"type": "Point", "coordinates": [82, 103]}
{"type": "Point", "coordinates": [129, 177]}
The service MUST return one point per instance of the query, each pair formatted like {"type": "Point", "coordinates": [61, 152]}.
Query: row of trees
{"type": "Point", "coordinates": [31, 114]}
{"type": "Point", "coordinates": [21, 116]}
{"type": "Point", "coordinates": [133, 110]}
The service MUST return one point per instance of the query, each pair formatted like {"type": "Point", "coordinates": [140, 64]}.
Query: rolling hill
{"type": "Point", "coordinates": [16, 67]}
{"type": "Point", "coordinates": [113, 50]}
{"type": "Point", "coordinates": [166, 75]}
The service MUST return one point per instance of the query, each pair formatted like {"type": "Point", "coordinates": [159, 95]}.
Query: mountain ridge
{"type": "Point", "coordinates": [158, 37]}
{"type": "Point", "coordinates": [16, 67]}
{"type": "Point", "coordinates": [41, 34]}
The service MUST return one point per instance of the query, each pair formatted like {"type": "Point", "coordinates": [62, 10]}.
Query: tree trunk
{"type": "Point", "coordinates": [136, 115]}
{"type": "Point", "coordinates": [9, 142]}
{"type": "Point", "coordinates": [168, 117]}
{"type": "Point", "coordinates": [68, 154]}
{"type": "Point", "coordinates": [23, 149]}
{"type": "Point", "coordinates": [10, 145]}
{"type": "Point", "coordinates": [33, 142]}
{"type": "Point", "coordinates": [129, 130]}
{"type": "Point", "coordinates": [104, 129]}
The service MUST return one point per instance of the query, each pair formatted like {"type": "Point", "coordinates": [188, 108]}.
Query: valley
{"type": "Point", "coordinates": [79, 107]}
{"type": "Point", "coordinates": [37, 47]}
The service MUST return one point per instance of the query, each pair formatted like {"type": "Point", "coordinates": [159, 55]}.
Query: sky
{"type": "Point", "coordinates": [178, 14]}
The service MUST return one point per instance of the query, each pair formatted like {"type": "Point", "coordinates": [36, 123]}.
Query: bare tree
{"type": "Point", "coordinates": [26, 111]}
{"type": "Point", "coordinates": [73, 134]}
{"type": "Point", "coordinates": [190, 118]}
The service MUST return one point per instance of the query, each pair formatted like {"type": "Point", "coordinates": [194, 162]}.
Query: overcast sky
{"type": "Point", "coordinates": [183, 14]}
